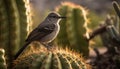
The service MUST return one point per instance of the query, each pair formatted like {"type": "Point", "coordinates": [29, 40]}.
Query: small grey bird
{"type": "Point", "coordinates": [45, 32]}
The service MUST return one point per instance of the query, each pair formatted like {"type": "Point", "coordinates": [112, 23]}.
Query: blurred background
{"type": "Point", "coordinates": [101, 7]}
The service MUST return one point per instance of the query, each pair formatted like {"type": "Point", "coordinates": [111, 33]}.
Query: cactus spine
{"type": "Point", "coordinates": [73, 28]}
{"type": "Point", "coordinates": [55, 59]}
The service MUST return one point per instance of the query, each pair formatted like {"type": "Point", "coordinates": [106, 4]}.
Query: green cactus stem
{"type": "Point", "coordinates": [73, 28]}
{"type": "Point", "coordinates": [23, 20]}
{"type": "Point", "coordinates": [55, 59]}
{"type": "Point", "coordinates": [117, 8]}
{"type": "Point", "coordinates": [13, 26]}
{"type": "Point", "coordinates": [3, 25]}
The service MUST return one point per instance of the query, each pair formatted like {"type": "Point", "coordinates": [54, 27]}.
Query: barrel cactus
{"type": "Point", "coordinates": [73, 28]}
{"type": "Point", "coordinates": [54, 59]}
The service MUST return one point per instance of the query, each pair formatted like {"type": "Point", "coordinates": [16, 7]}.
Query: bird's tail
{"type": "Point", "coordinates": [21, 50]}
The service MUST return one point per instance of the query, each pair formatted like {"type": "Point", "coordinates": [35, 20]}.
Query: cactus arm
{"type": "Point", "coordinates": [117, 10]}
{"type": "Point", "coordinates": [23, 20]}
{"type": "Point", "coordinates": [97, 31]}
{"type": "Point", "coordinates": [13, 18]}
{"type": "Point", "coordinates": [13, 30]}
{"type": "Point", "coordinates": [4, 32]}
{"type": "Point", "coordinates": [113, 33]}
{"type": "Point", "coordinates": [116, 7]}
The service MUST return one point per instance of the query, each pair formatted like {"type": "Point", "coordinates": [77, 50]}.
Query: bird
{"type": "Point", "coordinates": [45, 32]}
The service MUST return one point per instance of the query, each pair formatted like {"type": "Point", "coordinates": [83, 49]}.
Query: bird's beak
{"type": "Point", "coordinates": [63, 17]}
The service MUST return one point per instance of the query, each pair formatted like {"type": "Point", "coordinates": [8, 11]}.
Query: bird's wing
{"type": "Point", "coordinates": [40, 32]}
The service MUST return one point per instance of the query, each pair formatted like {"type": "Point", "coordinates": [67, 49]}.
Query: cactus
{"type": "Point", "coordinates": [117, 8]}
{"type": "Point", "coordinates": [3, 25]}
{"type": "Point", "coordinates": [13, 26]}
{"type": "Point", "coordinates": [111, 38]}
{"type": "Point", "coordinates": [54, 59]}
{"type": "Point", "coordinates": [73, 28]}
{"type": "Point", "coordinates": [2, 59]}
{"type": "Point", "coordinates": [23, 21]}
{"type": "Point", "coordinates": [110, 35]}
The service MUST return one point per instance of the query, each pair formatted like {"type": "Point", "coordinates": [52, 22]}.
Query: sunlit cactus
{"type": "Point", "coordinates": [2, 59]}
{"type": "Point", "coordinates": [54, 59]}
{"type": "Point", "coordinates": [13, 26]}
{"type": "Point", "coordinates": [73, 28]}
{"type": "Point", "coordinates": [23, 20]}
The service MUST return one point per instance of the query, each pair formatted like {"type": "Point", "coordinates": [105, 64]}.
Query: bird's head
{"type": "Point", "coordinates": [54, 17]}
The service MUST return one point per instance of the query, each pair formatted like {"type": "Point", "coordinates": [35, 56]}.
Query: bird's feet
{"type": "Point", "coordinates": [49, 46]}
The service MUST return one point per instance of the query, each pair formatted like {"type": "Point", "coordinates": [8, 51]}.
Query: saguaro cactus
{"type": "Point", "coordinates": [13, 26]}
{"type": "Point", "coordinates": [55, 59]}
{"type": "Point", "coordinates": [73, 28]}
{"type": "Point", "coordinates": [23, 20]}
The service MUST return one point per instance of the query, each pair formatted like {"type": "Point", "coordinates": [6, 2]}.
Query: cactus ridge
{"type": "Point", "coordinates": [23, 20]}
{"type": "Point", "coordinates": [3, 25]}
{"type": "Point", "coordinates": [13, 26]}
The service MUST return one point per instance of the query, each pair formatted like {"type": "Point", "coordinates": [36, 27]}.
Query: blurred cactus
{"type": "Point", "coordinates": [23, 20]}
{"type": "Point", "coordinates": [117, 8]}
{"type": "Point", "coordinates": [54, 59]}
{"type": "Point", "coordinates": [73, 28]}
{"type": "Point", "coordinates": [110, 35]}
{"type": "Point", "coordinates": [2, 59]}
{"type": "Point", "coordinates": [111, 38]}
{"type": "Point", "coordinates": [109, 31]}
{"type": "Point", "coordinates": [13, 26]}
